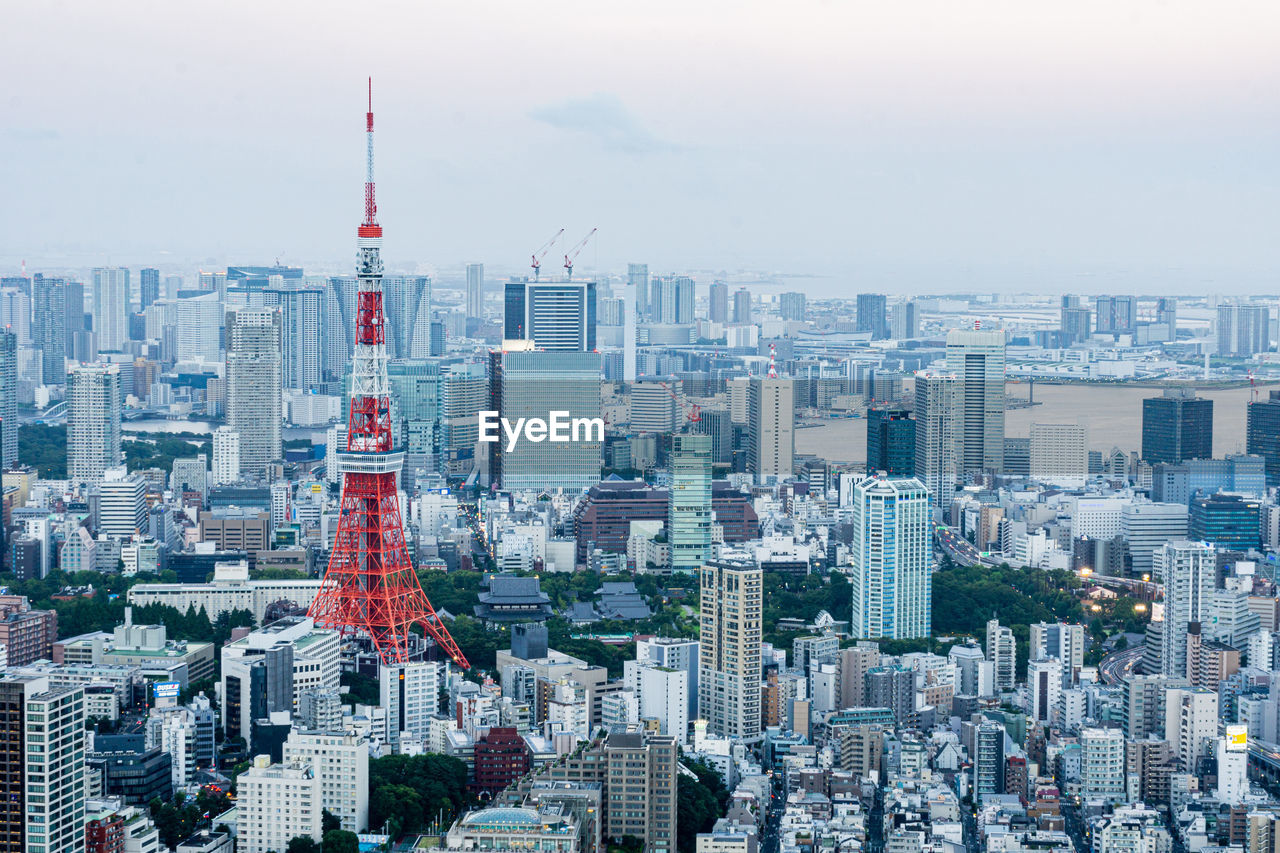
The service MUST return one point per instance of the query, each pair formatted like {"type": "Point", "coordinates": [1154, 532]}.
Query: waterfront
{"type": "Point", "coordinates": [1113, 414]}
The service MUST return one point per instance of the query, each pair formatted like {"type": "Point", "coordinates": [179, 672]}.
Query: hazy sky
{"type": "Point", "coordinates": [897, 144]}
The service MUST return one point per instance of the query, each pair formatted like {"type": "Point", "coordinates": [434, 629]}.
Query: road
{"type": "Point", "coordinates": [1116, 667]}
{"type": "Point", "coordinates": [955, 546]}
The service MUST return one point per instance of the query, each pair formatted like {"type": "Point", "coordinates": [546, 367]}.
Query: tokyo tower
{"type": "Point", "coordinates": [370, 587]}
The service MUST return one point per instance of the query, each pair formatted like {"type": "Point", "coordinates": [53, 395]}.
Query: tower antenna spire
{"type": "Point", "coordinates": [370, 206]}
{"type": "Point", "coordinates": [370, 588]}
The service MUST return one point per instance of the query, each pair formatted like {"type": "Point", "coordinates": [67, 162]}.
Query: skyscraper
{"type": "Point", "coordinates": [638, 281]}
{"type": "Point", "coordinates": [742, 306]}
{"type": "Point", "coordinates": [111, 307]}
{"type": "Point", "coordinates": [1189, 572]}
{"type": "Point", "coordinates": [935, 434]}
{"type": "Point", "coordinates": [892, 554]}
{"type": "Point", "coordinates": [770, 428]}
{"type": "Point", "coordinates": [49, 327]}
{"type": "Point", "coordinates": [407, 315]}
{"type": "Point", "coordinates": [1117, 315]}
{"type": "Point", "coordinates": [689, 503]}
{"type": "Point", "coordinates": [1177, 425]}
{"type": "Point", "coordinates": [8, 398]}
{"type": "Point", "coordinates": [475, 290]}
{"type": "Point", "coordinates": [1262, 434]}
{"type": "Point", "coordinates": [891, 442]}
{"type": "Point", "coordinates": [671, 299]}
{"type": "Point", "coordinates": [415, 410]}
{"type": "Point", "coordinates": [718, 302]}
{"type": "Point", "coordinates": [302, 334]}
{"type": "Point", "coordinates": [1243, 330]}
{"type": "Point", "coordinates": [791, 306]}
{"type": "Point", "coordinates": [532, 384]}
{"type": "Point", "coordinates": [729, 666]}
{"type": "Point", "coordinates": [977, 359]}
{"type": "Point", "coordinates": [148, 287]}
{"type": "Point", "coordinates": [1074, 321]}
{"type": "Point", "coordinates": [555, 314]}
{"type": "Point", "coordinates": [872, 316]}
{"type": "Point", "coordinates": [93, 421]}
{"type": "Point", "coordinates": [42, 766]}
{"type": "Point", "coordinates": [904, 323]}
{"type": "Point", "coordinates": [464, 392]}
{"type": "Point", "coordinates": [254, 382]}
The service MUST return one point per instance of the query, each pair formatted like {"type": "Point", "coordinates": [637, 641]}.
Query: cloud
{"type": "Point", "coordinates": [603, 117]}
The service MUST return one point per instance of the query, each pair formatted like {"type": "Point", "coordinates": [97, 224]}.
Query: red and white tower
{"type": "Point", "coordinates": [370, 587]}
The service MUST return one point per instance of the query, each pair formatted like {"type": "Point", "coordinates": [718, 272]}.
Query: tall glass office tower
{"type": "Point", "coordinates": [689, 504]}
{"type": "Point", "coordinates": [530, 383]}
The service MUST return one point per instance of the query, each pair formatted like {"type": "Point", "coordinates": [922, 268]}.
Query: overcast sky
{"type": "Point", "coordinates": [897, 144]}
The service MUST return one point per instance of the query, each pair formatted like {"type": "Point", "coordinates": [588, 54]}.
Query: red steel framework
{"type": "Point", "coordinates": [370, 587]}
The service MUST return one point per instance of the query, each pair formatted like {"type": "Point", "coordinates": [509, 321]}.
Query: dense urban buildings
{"type": "Point", "coordinates": [681, 604]}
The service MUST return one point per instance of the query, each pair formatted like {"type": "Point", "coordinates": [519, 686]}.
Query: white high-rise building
{"type": "Point", "coordinates": [1232, 752]}
{"type": "Point", "coordinates": [122, 504]}
{"type": "Point", "coordinates": [254, 385]}
{"type": "Point", "coordinates": [1061, 640]}
{"type": "Point", "coordinates": [278, 802]}
{"type": "Point", "coordinates": [892, 557]}
{"type": "Point", "coordinates": [1190, 724]}
{"type": "Point", "coordinates": [1102, 775]}
{"type": "Point", "coordinates": [226, 456]}
{"type": "Point", "coordinates": [93, 421]}
{"type": "Point", "coordinates": [771, 435]}
{"type": "Point", "coordinates": [340, 761]}
{"type": "Point", "coordinates": [44, 730]}
{"type": "Point", "coordinates": [410, 692]}
{"type": "Point", "coordinates": [197, 328]}
{"type": "Point", "coordinates": [1060, 454]}
{"type": "Point", "coordinates": [977, 359]}
{"type": "Point", "coordinates": [1002, 652]}
{"type": "Point", "coordinates": [731, 632]}
{"type": "Point", "coordinates": [174, 731]}
{"type": "Point", "coordinates": [1044, 684]}
{"type": "Point", "coordinates": [661, 693]}
{"type": "Point", "coordinates": [674, 653]}
{"type": "Point", "coordinates": [1190, 573]}
{"type": "Point", "coordinates": [111, 307]}
{"type": "Point", "coordinates": [936, 417]}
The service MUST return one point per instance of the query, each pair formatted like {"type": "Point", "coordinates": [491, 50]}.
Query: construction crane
{"type": "Point", "coordinates": [542, 252]}
{"type": "Point", "coordinates": [572, 254]}
{"type": "Point", "coordinates": [692, 411]}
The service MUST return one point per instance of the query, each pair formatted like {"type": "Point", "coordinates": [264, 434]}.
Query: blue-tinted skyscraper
{"type": "Point", "coordinates": [1177, 426]}
{"type": "Point", "coordinates": [891, 442]}
{"type": "Point", "coordinates": [891, 559]}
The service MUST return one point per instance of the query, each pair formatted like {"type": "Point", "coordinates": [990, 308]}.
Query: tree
{"type": "Point", "coordinates": [438, 782]}
{"type": "Point", "coordinates": [340, 841]}
{"type": "Point", "coordinates": [398, 803]}
{"type": "Point", "coordinates": [329, 821]}
{"type": "Point", "coordinates": [695, 811]}
{"type": "Point", "coordinates": [302, 844]}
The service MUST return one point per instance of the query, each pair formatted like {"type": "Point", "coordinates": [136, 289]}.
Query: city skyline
{"type": "Point", "coordinates": [1091, 163]}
